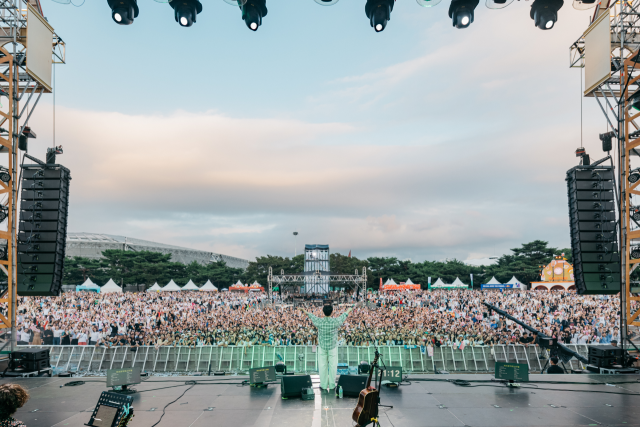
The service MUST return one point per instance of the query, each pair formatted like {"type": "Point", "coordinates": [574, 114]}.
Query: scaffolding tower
{"type": "Point", "coordinates": [612, 94]}
{"type": "Point", "coordinates": [21, 87]}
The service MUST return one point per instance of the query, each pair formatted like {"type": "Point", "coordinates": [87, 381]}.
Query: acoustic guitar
{"type": "Point", "coordinates": [367, 407]}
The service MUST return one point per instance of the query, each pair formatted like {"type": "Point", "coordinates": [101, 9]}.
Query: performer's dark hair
{"type": "Point", "coordinates": [327, 310]}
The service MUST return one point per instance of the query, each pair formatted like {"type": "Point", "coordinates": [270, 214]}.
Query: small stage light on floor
{"type": "Point", "coordinates": [363, 367]}
{"type": "Point", "coordinates": [123, 11]}
{"type": "Point", "coordinates": [186, 11]}
{"type": "Point", "coordinates": [281, 368]}
{"type": "Point", "coordinates": [461, 12]}
{"type": "Point", "coordinates": [379, 13]}
{"type": "Point", "coordinates": [252, 13]}
{"type": "Point", "coordinates": [545, 13]}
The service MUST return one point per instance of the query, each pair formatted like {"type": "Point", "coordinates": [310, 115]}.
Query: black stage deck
{"type": "Point", "coordinates": [415, 404]}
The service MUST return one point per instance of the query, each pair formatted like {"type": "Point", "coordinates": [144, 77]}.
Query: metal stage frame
{"type": "Point", "coordinates": [22, 93]}
{"type": "Point", "coordinates": [612, 95]}
{"type": "Point", "coordinates": [313, 283]}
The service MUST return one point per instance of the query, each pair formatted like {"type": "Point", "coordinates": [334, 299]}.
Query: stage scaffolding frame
{"type": "Point", "coordinates": [313, 283]}
{"type": "Point", "coordinates": [612, 96]}
{"type": "Point", "coordinates": [22, 92]}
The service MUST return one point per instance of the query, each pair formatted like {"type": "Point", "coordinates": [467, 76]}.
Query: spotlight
{"type": "Point", "coordinates": [4, 175]}
{"type": "Point", "coordinates": [545, 13]}
{"type": "Point", "coordinates": [363, 367]}
{"type": "Point", "coordinates": [635, 252]}
{"type": "Point", "coordinates": [461, 12]}
{"type": "Point", "coordinates": [379, 13]}
{"type": "Point", "coordinates": [634, 176]}
{"type": "Point", "coordinates": [634, 101]}
{"type": "Point", "coordinates": [123, 11]}
{"type": "Point", "coordinates": [4, 213]}
{"type": "Point", "coordinates": [281, 368]}
{"type": "Point", "coordinates": [635, 214]}
{"type": "Point", "coordinates": [498, 4]}
{"type": "Point", "coordinates": [252, 13]}
{"type": "Point", "coordinates": [326, 2]}
{"type": "Point", "coordinates": [186, 11]}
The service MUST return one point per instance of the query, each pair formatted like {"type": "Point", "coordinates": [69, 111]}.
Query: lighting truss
{"type": "Point", "coordinates": [612, 98]}
{"type": "Point", "coordinates": [19, 94]}
{"type": "Point", "coordinates": [315, 281]}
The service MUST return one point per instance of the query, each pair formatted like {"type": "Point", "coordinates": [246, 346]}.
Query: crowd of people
{"type": "Point", "coordinates": [421, 318]}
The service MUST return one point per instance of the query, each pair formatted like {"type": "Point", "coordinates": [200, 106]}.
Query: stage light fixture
{"type": "Point", "coordinates": [545, 13]}
{"type": "Point", "coordinates": [379, 13]}
{"type": "Point", "coordinates": [635, 252]}
{"type": "Point", "coordinates": [5, 176]}
{"type": "Point", "coordinates": [252, 13]}
{"type": "Point", "coordinates": [326, 2]}
{"type": "Point", "coordinates": [428, 3]}
{"type": "Point", "coordinates": [281, 368]}
{"type": "Point", "coordinates": [635, 214]}
{"type": "Point", "coordinates": [123, 11]}
{"type": "Point", "coordinates": [461, 12]}
{"type": "Point", "coordinates": [634, 101]}
{"type": "Point", "coordinates": [186, 11]}
{"type": "Point", "coordinates": [634, 176]}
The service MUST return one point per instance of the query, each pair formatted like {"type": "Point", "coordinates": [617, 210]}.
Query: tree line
{"type": "Point", "coordinates": [147, 268]}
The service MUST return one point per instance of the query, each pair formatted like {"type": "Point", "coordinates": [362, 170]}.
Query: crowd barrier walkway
{"type": "Point", "coordinates": [298, 358]}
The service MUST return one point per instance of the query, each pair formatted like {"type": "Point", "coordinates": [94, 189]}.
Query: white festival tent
{"type": "Point", "coordinates": [110, 287]}
{"type": "Point", "coordinates": [171, 286]}
{"type": "Point", "coordinates": [391, 282]}
{"type": "Point", "coordinates": [458, 283]}
{"type": "Point", "coordinates": [155, 287]}
{"type": "Point", "coordinates": [439, 283]}
{"type": "Point", "coordinates": [239, 283]}
{"type": "Point", "coordinates": [88, 285]}
{"type": "Point", "coordinates": [409, 282]}
{"type": "Point", "coordinates": [516, 283]}
{"type": "Point", "coordinates": [493, 281]}
{"type": "Point", "coordinates": [208, 287]}
{"type": "Point", "coordinates": [190, 286]}
{"type": "Point", "coordinates": [386, 283]}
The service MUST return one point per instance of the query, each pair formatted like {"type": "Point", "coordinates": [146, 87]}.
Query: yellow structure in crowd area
{"type": "Point", "coordinates": [556, 276]}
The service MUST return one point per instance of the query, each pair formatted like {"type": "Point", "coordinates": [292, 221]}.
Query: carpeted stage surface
{"type": "Point", "coordinates": [421, 403]}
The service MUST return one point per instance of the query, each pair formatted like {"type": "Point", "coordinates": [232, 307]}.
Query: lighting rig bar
{"type": "Point", "coordinates": [544, 13]}
{"type": "Point", "coordinates": [314, 281]}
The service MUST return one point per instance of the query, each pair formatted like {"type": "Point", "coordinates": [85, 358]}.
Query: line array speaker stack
{"type": "Point", "coordinates": [594, 235]}
{"type": "Point", "coordinates": [42, 232]}
{"type": "Point", "coordinates": [29, 360]}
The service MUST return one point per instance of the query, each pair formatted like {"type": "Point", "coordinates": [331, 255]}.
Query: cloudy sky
{"type": "Point", "coordinates": [421, 142]}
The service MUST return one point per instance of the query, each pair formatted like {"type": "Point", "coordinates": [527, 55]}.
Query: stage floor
{"type": "Point", "coordinates": [421, 403]}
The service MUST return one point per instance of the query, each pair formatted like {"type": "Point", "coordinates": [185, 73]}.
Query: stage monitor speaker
{"type": "Point", "coordinates": [42, 231]}
{"type": "Point", "coordinates": [30, 354]}
{"type": "Point", "coordinates": [593, 228]}
{"type": "Point", "coordinates": [292, 385]}
{"type": "Point", "coordinates": [352, 385]}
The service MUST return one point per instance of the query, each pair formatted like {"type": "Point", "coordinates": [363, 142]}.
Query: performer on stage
{"type": "Point", "coordinates": [328, 339]}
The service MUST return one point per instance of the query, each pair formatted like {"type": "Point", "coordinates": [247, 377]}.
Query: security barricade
{"type": "Point", "coordinates": [299, 358]}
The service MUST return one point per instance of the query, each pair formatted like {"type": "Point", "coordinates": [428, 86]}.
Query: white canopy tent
{"type": "Point", "coordinates": [154, 288]}
{"type": "Point", "coordinates": [110, 287]}
{"type": "Point", "coordinates": [438, 284]}
{"type": "Point", "coordinates": [516, 283]}
{"type": "Point", "coordinates": [208, 287]}
{"type": "Point", "coordinates": [391, 282]}
{"type": "Point", "coordinates": [190, 286]}
{"type": "Point", "coordinates": [493, 281]}
{"type": "Point", "coordinates": [409, 282]}
{"type": "Point", "coordinates": [171, 286]}
{"type": "Point", "coordinates": [239, 283]}
{"type": "Point", "coordinates": [255, 283]}
{"type": "Point", "coordinates": [458, 284]}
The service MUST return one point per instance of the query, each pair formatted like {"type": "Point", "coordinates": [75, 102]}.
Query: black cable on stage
{"type": "Point", "coordinates": [170, 403]}
{"type": "Point", "coordinates": [72, 384]}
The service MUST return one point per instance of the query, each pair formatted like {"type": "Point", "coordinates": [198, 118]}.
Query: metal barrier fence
{"type": "Point", "coordinates": [298, 358]}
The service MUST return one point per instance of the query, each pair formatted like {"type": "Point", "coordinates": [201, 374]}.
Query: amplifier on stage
{"type": "Point", "coordinates": [33, 354]}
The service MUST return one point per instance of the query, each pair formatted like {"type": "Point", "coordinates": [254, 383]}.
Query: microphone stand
{"type": "Point", "coordinates": [378, 383]}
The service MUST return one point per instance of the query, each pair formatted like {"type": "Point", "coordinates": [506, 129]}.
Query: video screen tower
{"type": "Point", "coordinates": [316, 260]}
